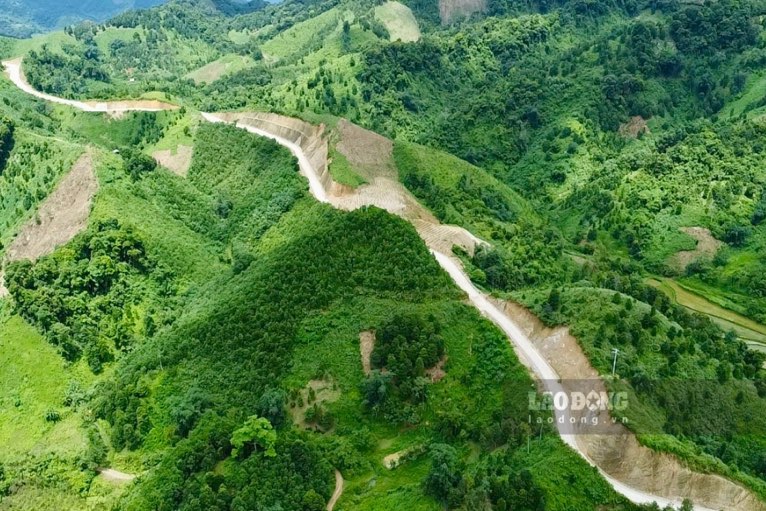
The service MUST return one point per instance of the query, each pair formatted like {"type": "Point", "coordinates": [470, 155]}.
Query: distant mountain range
{"type": "Point", "coordinates": [22, 18]}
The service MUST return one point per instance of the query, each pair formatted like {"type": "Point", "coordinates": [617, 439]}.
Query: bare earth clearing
{"type": "Point", "coordinates": [177, 161]}
{"type": "Point", "coordinates": [634, 127]}
{"type": "Point", "coordinates": [62, 215]}
{"type": "Point", "coordinates": [642, 480]}
{"type": "Point", "coordinates": [706, 247]}
{"type": "Point", "coordinates": [366, 345]}
{"type": "Point", "coordinates": [115, 476]}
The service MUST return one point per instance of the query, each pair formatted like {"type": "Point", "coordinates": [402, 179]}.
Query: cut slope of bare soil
{"type": "Point", "coordinates": [60, 218]}
{"type": "Point", "coordinates": [617, 452]}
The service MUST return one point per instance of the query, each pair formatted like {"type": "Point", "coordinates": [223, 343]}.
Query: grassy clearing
{"type": "Point", "coordinates": [297, 37]}
{"type": "Point", "coordinates": [755, 92]}
{"type": "Point", "coordinates": [188, 252]}
{"type": "Point", "coordinates": [181, 132]}
{"type": "Point", "coordinates": [34, 380]}
{"type": "Point", "coordinates": [399, 21]}
{"type": "Point", "coordinates": [105, 38]}
{"type": "Point", "coordinates": [239, 36]}
{"type": "Point", "coordinates": [227, 64]}
{"type": "Point", "coordinates": [342, 172]}
{"type": "Point", "coordinates": [54, 40]}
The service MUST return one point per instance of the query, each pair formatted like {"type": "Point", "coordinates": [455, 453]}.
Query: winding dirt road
{"type": "Point", "coordinates": [16, 74]}
{"type": "Point", "coordinates": [525, 349]}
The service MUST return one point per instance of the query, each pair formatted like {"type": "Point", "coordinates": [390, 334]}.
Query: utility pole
{"type": "Point", "coordinates": [615, 351]}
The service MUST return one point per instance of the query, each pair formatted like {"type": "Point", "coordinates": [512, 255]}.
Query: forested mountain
{"type": "Point", "coordinates": [203, 330]}
{"type": "Point", "coordinates": [24, 17]}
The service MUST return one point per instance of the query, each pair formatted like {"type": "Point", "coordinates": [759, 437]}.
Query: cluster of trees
{"type": "Point", "coordinates": [218, 467]}
{"type": "Point", "coordinates": [405, 346]}
{"type": "Point", "coordinates": [504, 491]}
{"type": "Point", "coordinates": [255, 316]}
{"type": "Point", "coordinates": [82, 298]}
{"type": "Point", "coordinates": [698, 174]}
{"type": "Point", "coordinates": [77, 70]}
{"type": "Point", "coordinates": [136, 163]}
{"type": "Point", "coordinates": [6, 141]}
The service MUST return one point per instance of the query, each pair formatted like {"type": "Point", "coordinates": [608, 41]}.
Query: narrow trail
{"type": "Point", "coordinates": [339, 483]}
{"type": "Point", "coordinates": [525, 348]}
{"type": "Point", "coordinates": [115, 476]}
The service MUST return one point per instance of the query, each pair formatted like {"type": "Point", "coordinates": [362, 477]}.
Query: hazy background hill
{"type": "Point", "coordinates": [21, 18]}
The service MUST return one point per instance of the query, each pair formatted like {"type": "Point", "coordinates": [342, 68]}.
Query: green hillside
{"type": "Point", "coordinates": [206, 331]}
{"type": "Point", "coordinates": [208, 302]}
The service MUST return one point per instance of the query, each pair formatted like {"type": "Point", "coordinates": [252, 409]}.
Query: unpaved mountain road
{"type": "Point", "coordinates": [526, 350]}
{"type": "Point", "coordinates": [16, 74]}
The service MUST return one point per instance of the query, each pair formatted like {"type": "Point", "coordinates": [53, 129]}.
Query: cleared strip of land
{"type": "Point", "coordinates": [748, 330]}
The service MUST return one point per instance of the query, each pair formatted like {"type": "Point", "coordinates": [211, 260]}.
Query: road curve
{"type": "Point", "coordinates": [16, 75]}
{"type": "Point", "coordinates": [526, 350]}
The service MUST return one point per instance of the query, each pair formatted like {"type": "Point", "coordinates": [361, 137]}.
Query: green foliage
{"type": "Point", "coordinates": [406, 345]}
{"type": "Point", "coordinates": [445, 475]}
{"type": "Point", "coordinates": [269, 291]}
{"type": "Point", "coordinates": [271, 406]}
{"type": "Point", "coordinates": [256, 433]}
{"type": "Point", "coordinates": [6, 141]}
{"type": "Point", "coordinates": [137, 164]}
{"type": "Point", "coordinates": [83, 297]}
